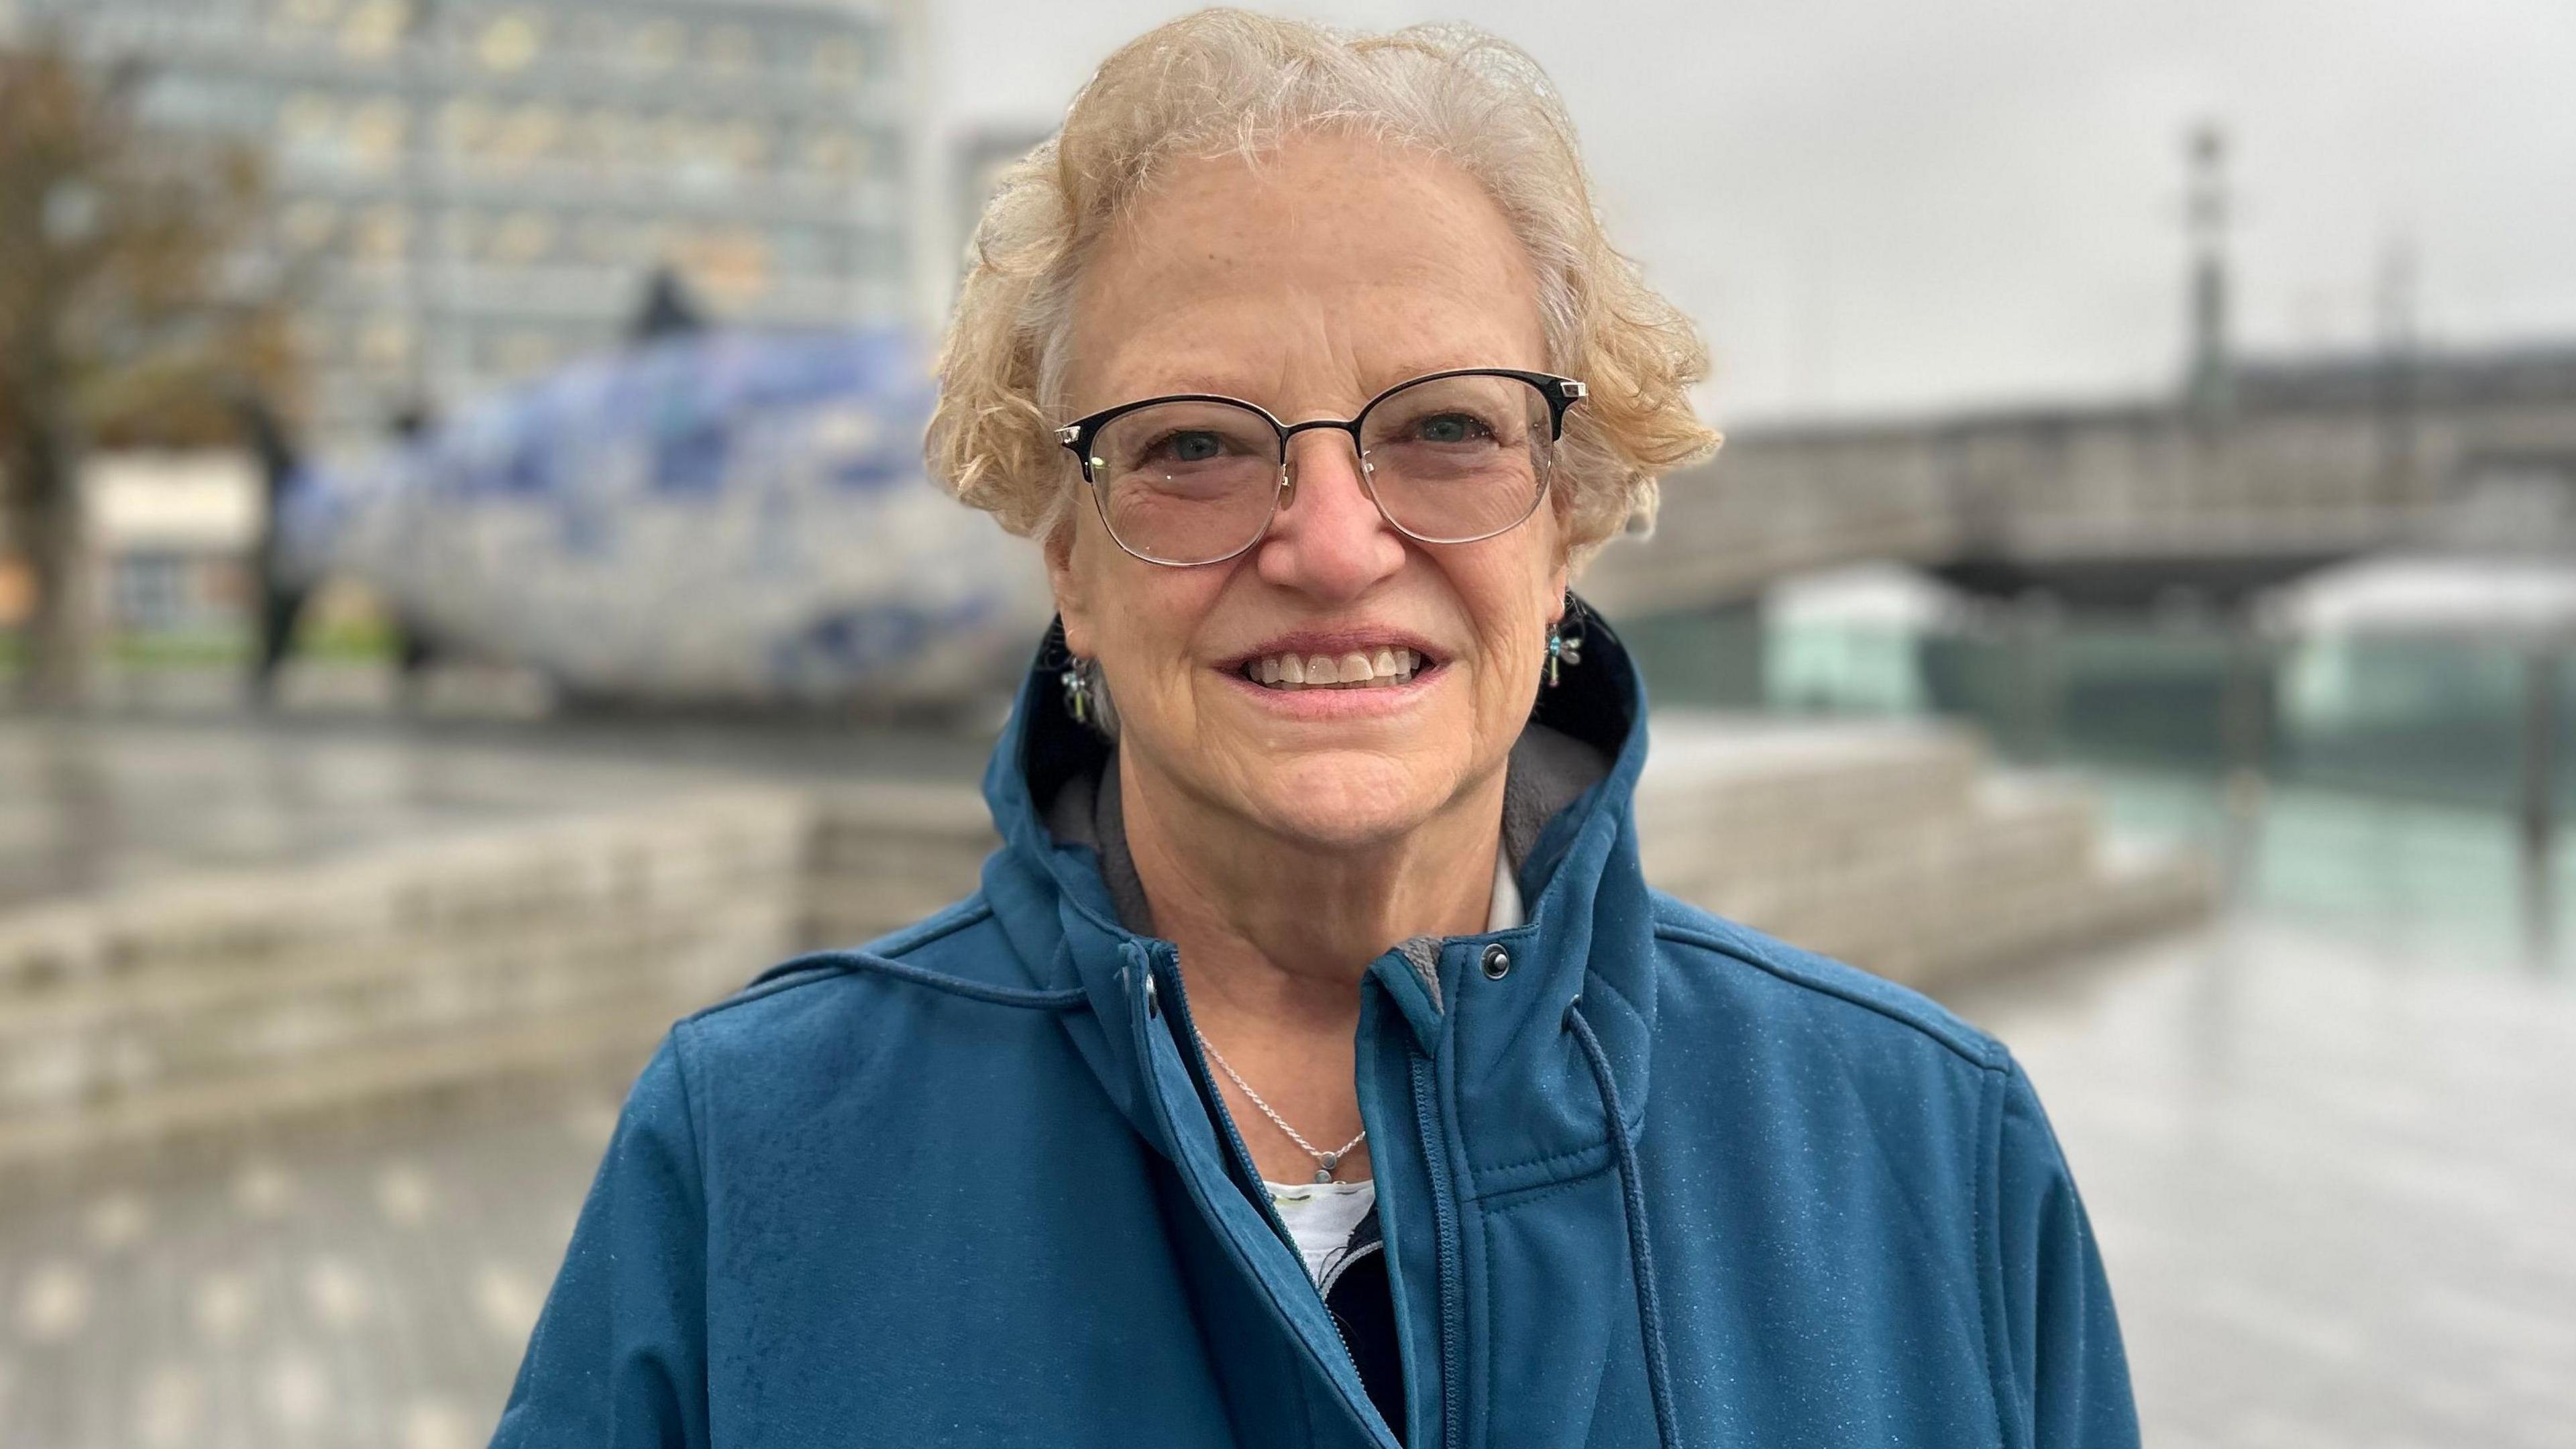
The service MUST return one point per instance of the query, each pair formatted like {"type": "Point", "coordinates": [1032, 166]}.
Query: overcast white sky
{"type": "Point", "coordinates": [1890, 206]}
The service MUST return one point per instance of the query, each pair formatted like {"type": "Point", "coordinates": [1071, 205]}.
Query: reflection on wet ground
{"type": "Point", "coordinates": [2336, 1187]}
{"type": "Point", "coordinates": [2434, 879]}
{"type": "Point", "coordinates": [324, 1289]}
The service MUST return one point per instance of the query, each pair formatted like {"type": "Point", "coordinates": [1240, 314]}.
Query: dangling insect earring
{"type": "Point", "coordinates": [1562, 648]}
{"type": "Point", "coordinates": [1077, 690]}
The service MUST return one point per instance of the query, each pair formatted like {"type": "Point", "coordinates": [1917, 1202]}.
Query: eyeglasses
{"type": "Point", "coordinates": [1451, 457]}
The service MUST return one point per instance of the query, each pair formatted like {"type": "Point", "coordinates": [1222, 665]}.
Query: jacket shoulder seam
{"type": "Point", "coordinates": [1985, 1216]}
{"type": "Point", "coordinates": [689, 1107]}
{"type": "Point", "coordinates": [970, 912]}
{"type": "Point", "coordinates": [1984, 1055]}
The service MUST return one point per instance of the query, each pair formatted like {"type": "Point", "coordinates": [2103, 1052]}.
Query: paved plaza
{"type": "Point", "coordinates": [2336, 1190]}
{"type": "Point", "coordinates": [2335, 1185]}
{"type": "Point", "coordinates": [132, 798]}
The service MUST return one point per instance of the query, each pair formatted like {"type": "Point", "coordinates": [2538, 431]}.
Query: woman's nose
{"type": "Point", "coordinates": [1328, 539]}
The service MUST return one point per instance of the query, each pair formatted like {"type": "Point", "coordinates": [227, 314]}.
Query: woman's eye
{"type": "Point", "coordinates": [1451, 428]}
{"type": "Point", "coordinates": [1187, 446]}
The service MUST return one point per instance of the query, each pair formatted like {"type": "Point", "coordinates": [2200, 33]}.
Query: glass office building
{"type": "Point", "coordinates": [471, 191]}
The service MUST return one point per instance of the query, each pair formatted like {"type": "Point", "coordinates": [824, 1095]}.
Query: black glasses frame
{"type": "Point", "coordinates": [1078, 436]}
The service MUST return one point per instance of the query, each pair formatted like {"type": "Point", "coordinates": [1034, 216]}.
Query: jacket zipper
{"type": "Point", "coordinates": [1240, 1154]}
{"type": "Point", "coordinates": [1236, 1152]}
{"type": "Point", "coordinates": [1444, 1219]}
{"type": "Point", "coordinates": [1324, 1290]}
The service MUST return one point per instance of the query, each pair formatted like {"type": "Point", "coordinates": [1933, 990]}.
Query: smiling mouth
{"type": "Point", "coordinates": [1384, 668]}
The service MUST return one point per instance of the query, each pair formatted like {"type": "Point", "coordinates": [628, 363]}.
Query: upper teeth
{"type": "Point", "coordinates": [1372, 668]}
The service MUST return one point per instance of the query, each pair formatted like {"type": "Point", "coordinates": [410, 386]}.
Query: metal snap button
{"type": "Point", "coordinates": [1498, 962]}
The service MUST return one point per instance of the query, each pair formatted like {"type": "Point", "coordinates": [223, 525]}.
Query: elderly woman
{"type": "Point", "coordinates": [1314, 1066]}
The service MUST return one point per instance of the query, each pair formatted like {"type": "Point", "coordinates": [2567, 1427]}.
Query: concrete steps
{"type": "Point", "coordinates": [229, 1002]}
{"type": "Point", "coordinates": [174, 1015]}
{"type": "Point", "coordinates": [1894, 847]}
{"type": "Point", "coordinates": [40, 1150]}
{"type": "Point", "coordinates": [884, 855]}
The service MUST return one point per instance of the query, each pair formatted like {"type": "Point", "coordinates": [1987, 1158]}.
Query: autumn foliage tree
{"type": "Point", "coordinates": [132, 310]}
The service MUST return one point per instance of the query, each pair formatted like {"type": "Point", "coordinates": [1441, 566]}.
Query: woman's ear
{"type": "Point", "coordinates": [1065, 581]}
{"type": "Point", "coordinates": [1560, 572]}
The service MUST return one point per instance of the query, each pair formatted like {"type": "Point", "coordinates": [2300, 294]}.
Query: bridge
{"type": "Point", "coordinates": [2297, 465]}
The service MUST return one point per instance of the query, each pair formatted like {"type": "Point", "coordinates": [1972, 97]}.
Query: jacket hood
{"type": "Point", "coordinates": [1068, 901]}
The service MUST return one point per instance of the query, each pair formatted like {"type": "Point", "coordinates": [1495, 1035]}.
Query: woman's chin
{"type": "Point", "coordinates": [1347, 799]}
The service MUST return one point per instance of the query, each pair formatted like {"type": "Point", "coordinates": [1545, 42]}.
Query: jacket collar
{"type": "Point", "coordinates": [1069, 904]}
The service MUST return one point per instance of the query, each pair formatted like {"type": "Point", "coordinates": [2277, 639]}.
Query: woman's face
{"type": "Point", "coordinates": [1308, 285]}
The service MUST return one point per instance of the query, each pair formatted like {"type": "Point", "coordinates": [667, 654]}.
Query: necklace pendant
{"type": "Point", "coordinates": [1325, 1164]}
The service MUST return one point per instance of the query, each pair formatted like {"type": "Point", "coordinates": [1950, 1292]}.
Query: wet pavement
{"type": "Point", "coordinates": [2336, 1191]}
{"type": "Point", "coordinates": [325, 1290]}
{"type": "Point", "coordinates": [99, 803]}
{"type": "Point", "coordinates": [2335, 1186]}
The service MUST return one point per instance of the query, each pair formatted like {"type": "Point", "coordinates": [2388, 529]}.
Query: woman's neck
{"type": "Point", "coordinates": [1276, 933]}
{"type": "Point", "coordinates": [1246, 904]}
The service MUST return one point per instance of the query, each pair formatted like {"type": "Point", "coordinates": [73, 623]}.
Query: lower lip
{"type": "Point", "coordinates": [1330, 704]}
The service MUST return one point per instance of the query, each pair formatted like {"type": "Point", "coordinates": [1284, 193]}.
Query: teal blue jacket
{"type": "Point", "coordinates": [1645, 1177]}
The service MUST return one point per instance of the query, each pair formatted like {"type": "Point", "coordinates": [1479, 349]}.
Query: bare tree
{"type": "Point", "coordinates": [130, 311]}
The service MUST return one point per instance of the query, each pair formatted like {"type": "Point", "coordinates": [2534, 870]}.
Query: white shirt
{"type": "Point", "coordinates": [1321, 1215]}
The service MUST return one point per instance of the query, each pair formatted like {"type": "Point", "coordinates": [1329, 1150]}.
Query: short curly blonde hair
{"type": "Point", "coordinates": [1228, 82]}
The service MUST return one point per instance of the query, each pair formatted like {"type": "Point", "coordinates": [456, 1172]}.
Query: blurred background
{"type": "Point", "coordinates": [468, 596]}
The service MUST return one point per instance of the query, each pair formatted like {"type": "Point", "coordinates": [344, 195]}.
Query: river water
{"type": "Point", "coordinates": [2374, 790]}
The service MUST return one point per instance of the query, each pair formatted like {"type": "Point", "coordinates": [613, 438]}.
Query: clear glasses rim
{"type": "Point", "coordinates": [1077, 436]}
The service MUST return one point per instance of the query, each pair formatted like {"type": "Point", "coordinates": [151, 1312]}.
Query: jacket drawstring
{"type": "Point", "coordinates": [1632, 1194]}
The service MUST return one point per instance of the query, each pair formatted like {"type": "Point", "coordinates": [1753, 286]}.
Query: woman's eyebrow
{"type": "Point", "coordinates": [1377, 382]}
{"type": "Point", "coordinates": [1183, 382]}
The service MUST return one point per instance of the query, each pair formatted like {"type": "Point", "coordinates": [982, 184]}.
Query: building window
{"type": "Point", "coordinates": [658, 44]}
{"type": "Point", "coordinates": [383, 234]}
{"type": "Point", "coordinates": [509, 42]}
{"type": "Point", "coordinates": [465, 124]}
{"type": "Point", "coordinates": [748, 142]}
{"type": "Point", "coordinates": [308, 126]}
{"type": "Point", "coordinates": [524, 350]}
{"type": "Point", "coordinates": [384, 342]}
{"type": "Point", "coordinates": [601, 138]}
{"type": "Point", "coordinates": [316, 335]}
{"type": "Point", "coordinates": [839, 61]}
{"type": "Point", "coordinates": [806, 251]}
{"type": "Point", "coordinates": [732, 52]}
{"type": "Point", "coordinates": [603, 241]}
{"type": "Point", "coordinates": [696, 153]}
{"type": "Point", "coordinates": [310, 225]}
{"type": "Point", "coordinates": [528, 135]}
{"type": "Point", "coordinates": [830, 153]}
{"type": "Point", "coordinates": [376, 135]}
{"type": "Point", "coordinates": [373, 28]}
{"type": "Point", "coordinates": [301, 19]}
{"type": "Point", "coordinates": [523, 238]}
{"type": "Point", "coordinates": [728, 264]}
{"type": "Point", "coordinates": [655, 238]}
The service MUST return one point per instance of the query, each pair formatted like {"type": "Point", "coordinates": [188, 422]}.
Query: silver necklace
{"type": "Point", "coordinates": [1325, 1162]}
